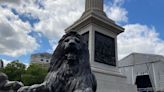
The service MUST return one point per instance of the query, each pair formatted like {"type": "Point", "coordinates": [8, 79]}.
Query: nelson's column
{"type": "Point", "coordinates": [100, 33]}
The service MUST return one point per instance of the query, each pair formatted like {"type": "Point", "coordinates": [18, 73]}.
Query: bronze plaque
{"type": "Point", "coordinates": [105, 49]}
{"type": "Point", "coordinates": [86, 37]}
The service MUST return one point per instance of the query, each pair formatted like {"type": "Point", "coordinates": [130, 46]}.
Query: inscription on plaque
{"type": "Point", "coordinates": [104, 49]}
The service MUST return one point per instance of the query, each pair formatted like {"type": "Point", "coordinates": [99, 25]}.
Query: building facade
{"type": "Point", "coordinates": [41, 58]}
{"type": "Point", "coordinates": [144, 70]}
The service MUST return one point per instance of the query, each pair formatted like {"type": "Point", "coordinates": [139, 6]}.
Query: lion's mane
{"type": "Point", "coordinates": [65, 78]}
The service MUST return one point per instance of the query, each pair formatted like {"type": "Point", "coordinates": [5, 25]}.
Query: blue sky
{"type": "Point", "coordinates": [35, 26]}
{"type": "Point", "coordinates": [147, 12]}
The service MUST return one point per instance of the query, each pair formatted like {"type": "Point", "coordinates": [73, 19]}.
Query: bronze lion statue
{"type": "Point", "coordinates": [6, 85]}
{"type": "Point", "coordinates": [69, 68]}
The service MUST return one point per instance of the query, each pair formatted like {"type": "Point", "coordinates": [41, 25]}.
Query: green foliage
{"type": "Point", "coordinates": [17, 71]}
{"type": "Point", "coordinates": [1, 70]}
{"type": "Point", "coordinates": [14, 70]}
{"type": "Point", "coordinates": [34, 74]}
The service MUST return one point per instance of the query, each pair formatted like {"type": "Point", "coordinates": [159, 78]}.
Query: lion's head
{"type": "Point", "coordinates": [72, 48]}
{"type": "Point", "coordinates": [71, 59]}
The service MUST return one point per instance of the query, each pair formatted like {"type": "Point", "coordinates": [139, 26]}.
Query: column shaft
{"type": "Point", "coordinates": [94, 4]}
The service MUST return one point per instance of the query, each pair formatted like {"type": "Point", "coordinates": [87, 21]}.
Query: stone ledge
{"type": "Point", "coordinates": [98, 70]}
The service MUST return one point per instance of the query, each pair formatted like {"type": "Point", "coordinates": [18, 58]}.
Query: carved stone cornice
{"type": "Point", "coordinates": [95, 18]}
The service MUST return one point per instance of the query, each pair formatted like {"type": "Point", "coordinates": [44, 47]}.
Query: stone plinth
{"type": "Point", "coordinates": [103, 56]}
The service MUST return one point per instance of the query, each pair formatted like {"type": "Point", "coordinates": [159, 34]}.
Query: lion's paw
{"type": "Point", "coordinates": [16, 85]}
{"type": "Point", "coordinates": [23, 89]}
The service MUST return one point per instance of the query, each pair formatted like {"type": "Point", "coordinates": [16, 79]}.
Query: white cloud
{"type": "Point", "coordinates": [139, 38]}
{"type": "Point", "coordinates": [59, 14]}
{"type": "Point", "coordinates": [116, 12]}
{"type": "Point", "coordinates": [14, 38]}
{"type": "Point", "coordinates": [56, 15]}
{"type": "Point", "coordinates": [11, 1]}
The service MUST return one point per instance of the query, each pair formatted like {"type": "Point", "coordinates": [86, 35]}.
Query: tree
{"type": "Point", "coordinates": [17, 71]}
{"type": "Point", "coordinates": [14, 70]}
{"type": "Point", "coordinates": [34, 74]}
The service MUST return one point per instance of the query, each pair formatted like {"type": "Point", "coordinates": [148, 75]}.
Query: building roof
{"type": "Point", "coordinates": [140, 58]}
{"type": "Point", "coordinates": [48, 55]}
